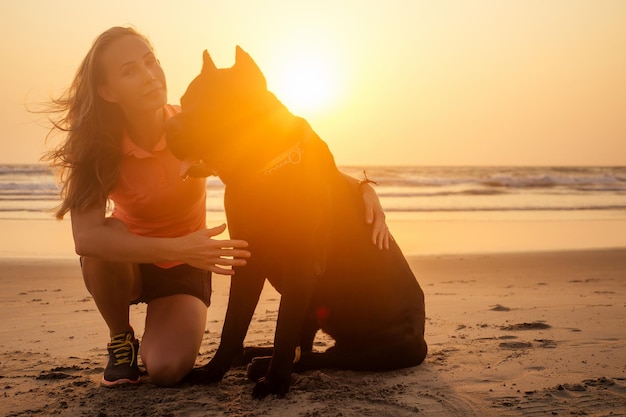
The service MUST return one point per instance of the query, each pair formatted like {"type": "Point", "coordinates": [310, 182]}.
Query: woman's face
{"type": "Point", "coordinates": [133, 77]}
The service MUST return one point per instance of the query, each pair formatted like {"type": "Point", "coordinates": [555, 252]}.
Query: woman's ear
{"type": "Point", "coordinates": [105, 93]}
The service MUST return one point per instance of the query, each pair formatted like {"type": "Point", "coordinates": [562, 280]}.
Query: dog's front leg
{"type": "Point", "coordinates": [299, 282]}
{"type": "Point", "coordinates": [245, 289]}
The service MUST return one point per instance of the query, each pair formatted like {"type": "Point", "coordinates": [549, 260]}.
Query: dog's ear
{"type": "Point", "coordinates": [207, 62]}
{"type": "Point", "coordinates": [249, 69]}
{"type": "Point", "coordinates": [244, 60]}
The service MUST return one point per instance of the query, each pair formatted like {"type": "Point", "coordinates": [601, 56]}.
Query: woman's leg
{"type": "Point", "coordinates": [113, 286]}
{"type": "Point", "coordinates": [174, 329]}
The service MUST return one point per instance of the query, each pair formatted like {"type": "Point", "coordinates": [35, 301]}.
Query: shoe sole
{"type": "Point", "coordinates": [117, 383]}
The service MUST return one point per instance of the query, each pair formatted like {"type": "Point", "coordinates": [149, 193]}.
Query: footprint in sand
{"type": "Point", "coordinates": [499, 307]}
{"type": "Point", "coordinates": [546, 343]}
{"type": "Point", "coordinates": [602, 396]}
{"type": "Point", "coordinates": [536, 325]}
{"type": "Point", "coordinates": [515, 345]}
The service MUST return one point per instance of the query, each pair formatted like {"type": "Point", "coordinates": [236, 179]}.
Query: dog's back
{"type": "Point", "coordinates": [368, 289]}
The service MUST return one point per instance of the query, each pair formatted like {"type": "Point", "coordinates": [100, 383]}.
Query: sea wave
{"type": "Point", "coordinates": [32, 188]}
{"type": "Point", "coordinates": [613, 178]}
{"type": "Point", "coordinates": [506, 209]}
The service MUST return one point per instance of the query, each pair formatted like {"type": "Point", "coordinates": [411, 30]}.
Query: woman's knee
{"type": "Point", "coordinates": [419, 355]}
{"type": "Point", "coordinates": [95, 268]}
{"type": "Point", "coordinates": [172, 337]}
{"type": "Point", "coordinates": [111, 278]}
{"type": "Point", "coordinates": [168, 370]}
{"type": "Point", "coordinates": [99, 273]}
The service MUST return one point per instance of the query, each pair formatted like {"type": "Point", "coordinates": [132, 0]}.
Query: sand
{"type": "Point", "coordinates": [528, 333]}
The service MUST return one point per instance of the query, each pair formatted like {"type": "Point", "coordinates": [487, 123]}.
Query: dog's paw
{"type": "Point", "coordinates": [258, 367]}
{"type": "Point", "coordinates": [265, 387]}
{"type": "Point", "coordinates": [248, 353]}
{"type": "Point", "coordinates": [205, 375]}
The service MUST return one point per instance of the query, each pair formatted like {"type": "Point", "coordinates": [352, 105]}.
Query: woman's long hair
{"type": "Point", "coordinates": [87, 161]}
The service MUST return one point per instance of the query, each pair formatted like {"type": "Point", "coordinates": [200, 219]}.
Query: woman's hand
{"type": "Point", "coordinates": [204, 252]}
{"type": "Point", "coordinates": [375, 216]}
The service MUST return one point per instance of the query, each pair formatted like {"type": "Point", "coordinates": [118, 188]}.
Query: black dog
{"type": "Point", "coordinates": [303, 220]}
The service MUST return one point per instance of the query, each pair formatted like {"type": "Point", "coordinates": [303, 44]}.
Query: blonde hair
{"type": "Point", "coordinates": [87, 161]}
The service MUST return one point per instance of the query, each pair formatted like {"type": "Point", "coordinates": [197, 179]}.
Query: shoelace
{"type": "Point", "coordinates": [124, 349]}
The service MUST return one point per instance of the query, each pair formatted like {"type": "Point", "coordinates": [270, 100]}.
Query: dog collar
{"type": "Point", "coordinates": [292, 156]}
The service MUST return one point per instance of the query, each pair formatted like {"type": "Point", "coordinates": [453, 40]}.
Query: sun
{"type": "Point", "coordinates": [305, 84]}
{"type": "Point", "coordinates": [305, 80]}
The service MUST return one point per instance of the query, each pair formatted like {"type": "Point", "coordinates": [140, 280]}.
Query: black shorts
{"type": "Point", "coordinates": [159, 282]}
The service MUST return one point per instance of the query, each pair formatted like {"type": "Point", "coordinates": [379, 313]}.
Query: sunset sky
{"type": "Point", "coordinates": [389, 82]}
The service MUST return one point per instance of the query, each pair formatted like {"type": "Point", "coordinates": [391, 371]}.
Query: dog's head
{"type": "Point", "coordinates": [221, 111]}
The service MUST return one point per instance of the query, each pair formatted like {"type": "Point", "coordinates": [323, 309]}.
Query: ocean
{"type": "Point", "coordinates": [29, 191]}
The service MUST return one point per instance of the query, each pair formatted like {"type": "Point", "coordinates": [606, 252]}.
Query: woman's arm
{"type": "Point", "coordinates": [374, 213]}
{"type": "Point", "coordinates": [97, 236]}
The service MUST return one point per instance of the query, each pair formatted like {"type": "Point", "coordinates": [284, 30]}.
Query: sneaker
{"type": "Point", "coordinates": [122, 367]}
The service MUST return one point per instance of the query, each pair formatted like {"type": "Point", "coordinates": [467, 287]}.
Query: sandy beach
{"type": "Point", "coordinates": [510, 332]}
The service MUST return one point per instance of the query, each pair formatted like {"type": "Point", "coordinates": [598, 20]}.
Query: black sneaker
{"type": "Point", "coordinates": [122, 367]}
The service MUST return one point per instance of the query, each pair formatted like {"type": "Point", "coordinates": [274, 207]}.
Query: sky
{"type": "Point", "coordinates": [383, 82]}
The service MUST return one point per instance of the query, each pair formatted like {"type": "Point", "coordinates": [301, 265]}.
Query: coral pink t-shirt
{"type": "Point", "coordinates": [151, 198]}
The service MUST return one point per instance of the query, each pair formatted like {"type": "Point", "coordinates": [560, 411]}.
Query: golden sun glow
{"type": "Point", "coordinates": [305, 80]}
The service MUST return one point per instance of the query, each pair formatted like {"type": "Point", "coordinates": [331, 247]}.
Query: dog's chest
{"type": "Point", "coordinates": [277, 211]}
{"type": "Point", "coordinates": [260, 204]}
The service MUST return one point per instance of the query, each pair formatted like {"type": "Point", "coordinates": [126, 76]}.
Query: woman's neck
{"type": "Point", "coordinates": [145, 129]}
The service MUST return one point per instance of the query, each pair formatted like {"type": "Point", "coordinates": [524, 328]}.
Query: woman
{"type": "Point", "coordinates": [154, 247]}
